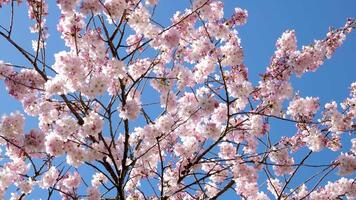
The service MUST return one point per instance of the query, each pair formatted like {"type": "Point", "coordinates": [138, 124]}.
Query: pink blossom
{"type": "Point", "coordinates": [24, 83]}
{"type": "Point", "coordinates": [275, 187]}
{"type": "Point", "coordinates": [114, 9]}
{"type": "Point", "coordinates": [34, 142]}
{"type": "Point", "coordinates": [287, 42]}
{"type": "Point", "coordinates": [314, 139]}
{"type": "Point", "coordinates": [67, 6]}
{"type": "Point", "coordinates": [72, 180]}
{"type": "Point", "coordinates": [227, 151]}
{"type": "Point", "coordinates": [137, 102]}
{"type": "Point", "coordinates": [93, 193]}
{"type": "Point", "coordinates": [284, 162]}
{"type": "Point", "coordinates": [88, 6]}
{"type": "Point", "coordinates": [171, 38]}
{"type": "Point", "coordinates": [336, 121]}
{"type": "Point", "coordinates": [54, 144]}
{"type": "Point", "coordinates": [97, 179]}
{"type": "Point", "coordinates": [239, 17]}
{"type": "Point", "coordinates": [12, 126]}
{"type": "Point", "coordinates": [333, 189]}
{"type": "Point", "coordinates": [49, 178]}
{"type": "Point", "coordinates": [347, 164]}
{"type": "Point", "coordinates": [303, 108]}
{"type": "Point", "coordinates": [232, 52]}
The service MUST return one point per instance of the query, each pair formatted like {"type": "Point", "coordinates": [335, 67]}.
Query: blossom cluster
{"type": "Point", "coordinates": [209, 127]}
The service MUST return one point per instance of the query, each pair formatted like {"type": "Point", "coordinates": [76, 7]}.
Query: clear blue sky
{"type": "Point", "coordinates": [267, 21]}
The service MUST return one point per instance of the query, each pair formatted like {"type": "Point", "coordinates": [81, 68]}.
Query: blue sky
{"type": "Point", "coordinates": [267, 21]}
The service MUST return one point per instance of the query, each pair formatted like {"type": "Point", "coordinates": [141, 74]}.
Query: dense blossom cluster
{"type": "Point", "coordinates": [303, 109]}
{"type": "Point", "coordinates": [208, 131]}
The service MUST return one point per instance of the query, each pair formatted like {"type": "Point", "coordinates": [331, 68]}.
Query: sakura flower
{"type": "Point", "coordinates": [66, 6]}
{"type": "Point", "coordinates": [88, 6]}
{"type": "Point", "coordinates": [93, 124]}
{"type": "Point", "coordinates": [227, 151]}
{"type": "Point", "coordinates": [347, 164]}
{"type": "Point", "coordinates": [54, 144]}
{"type": "Point", "coordinates": [303, 108]}
{"type": "Point", "coordinates": [138, 68]}
{"type": "Point", "coordinates": [93, 193]}
{"type": "Point", "coordinates": [72, 180]}
{"type": "Point", "coordinates": [287, 42]}
{"type": "Point", "coordinates": [171, 38]}
{"type": "Point", "coordinates": [12, 127]}
{"type": "Point", "coordinates": [49, 178]}
{"type": "Point", "coordinates": [239, 17]}
{"type": "Point", "coordinates": [114, 9]}
{"type": "Point", "coordinates": [336, 121]}
{"type": "Point", "coordinates": [130, 110]}
{"type": "Point", "coordinates": [232, 52]}
{"type": "Point", "coordinates": [314, 139]}
{"type": "Point", "coordinates": [97, 85]}
{"type": "Point", "coordinates": [34, 142]}
{"type": "Point", "coordinates": [275, 187]}
{"type": "Point", "coordinates": [283, 160]}
{"type": "Point", "coordinates": [97, 179]}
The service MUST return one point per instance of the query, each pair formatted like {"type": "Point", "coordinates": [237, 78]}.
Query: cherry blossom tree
{"type": "Point", "coordinates": [102, 135]}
